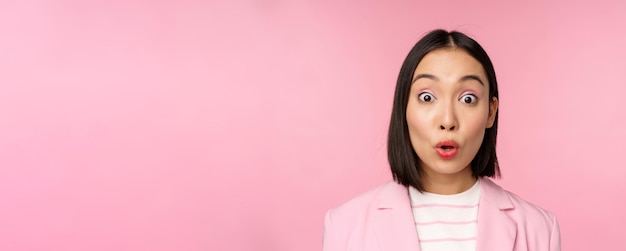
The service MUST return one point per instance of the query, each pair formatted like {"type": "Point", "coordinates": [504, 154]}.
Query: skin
{"type": "Point", "coordinates": [449, 100]}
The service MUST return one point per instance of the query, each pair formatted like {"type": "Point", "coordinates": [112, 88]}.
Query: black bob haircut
{"type": "Point", "coordinates": [403, 160]}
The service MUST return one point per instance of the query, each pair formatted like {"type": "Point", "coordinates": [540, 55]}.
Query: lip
{"type": "Point", "coordinates": [447, 153]}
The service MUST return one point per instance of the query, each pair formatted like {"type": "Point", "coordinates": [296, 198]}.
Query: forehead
{"type": "Point", "coordinates": [451, 64]}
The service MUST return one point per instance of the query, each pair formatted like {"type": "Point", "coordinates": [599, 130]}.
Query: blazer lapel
{"type": "Point", "coordinates": [396, 227]}
{"type": "Point", "coordinates": [496, 230]}
{"type": "Point", "coordinates": [395, 224]}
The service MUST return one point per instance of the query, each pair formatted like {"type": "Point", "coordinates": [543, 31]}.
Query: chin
{"type": "Point", "coordinates": [448, 169]}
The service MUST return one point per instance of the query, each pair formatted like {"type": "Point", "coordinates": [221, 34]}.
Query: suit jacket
{"type": "Point", "coordinates": [382, 219]}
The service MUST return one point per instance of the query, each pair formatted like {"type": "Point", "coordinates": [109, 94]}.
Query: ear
{"type": "Point", "coordinates": [493, 109]}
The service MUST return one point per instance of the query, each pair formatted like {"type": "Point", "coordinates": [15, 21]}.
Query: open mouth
{"type": "Point", "coordinates": [447, 149]}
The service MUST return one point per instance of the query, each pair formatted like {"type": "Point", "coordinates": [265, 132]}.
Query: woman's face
{"type": "Point", "coordinates": [448, 111]}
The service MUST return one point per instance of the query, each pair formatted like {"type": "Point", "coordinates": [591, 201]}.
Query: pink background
{"type": "Point", "coordinates": [198, 125]}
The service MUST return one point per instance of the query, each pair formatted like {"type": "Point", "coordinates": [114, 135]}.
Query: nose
{"type": "Point", "coordinates": [443, 128]}
{"type": "Point", "coordinates": [448, 118]}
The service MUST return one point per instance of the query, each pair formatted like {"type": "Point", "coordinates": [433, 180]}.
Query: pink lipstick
{"type": "Point", "coordinates": [447, 149]}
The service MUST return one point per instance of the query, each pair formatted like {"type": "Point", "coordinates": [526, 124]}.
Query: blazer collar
{"type": "Point", "coordinates": [495, 195]}
{"type": "Point", "coordinates": [496, 230]}
{"type": "Point", "coordinates": [396, 226]}
{"type": "Point", "coordinates": [394, 195]}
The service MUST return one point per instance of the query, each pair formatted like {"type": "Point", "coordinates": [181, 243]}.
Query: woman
{"type": "Point", "coordinates": [442, 149]}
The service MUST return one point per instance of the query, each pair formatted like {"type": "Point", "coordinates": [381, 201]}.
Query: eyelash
{"type": "Point", "coordinates": [423, 95]}
{"type": "Point", "coordinates": [475, 99]}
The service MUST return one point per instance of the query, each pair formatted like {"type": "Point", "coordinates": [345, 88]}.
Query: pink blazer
{"type": "Point", "coordinates": [382, 219]}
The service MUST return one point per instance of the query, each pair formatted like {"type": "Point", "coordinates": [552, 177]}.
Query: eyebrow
{"type": "Point", "coordinates": [432, 77]}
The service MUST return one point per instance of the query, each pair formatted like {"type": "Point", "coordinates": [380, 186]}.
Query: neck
{"type": "Point", "coordinates": [449, 183]}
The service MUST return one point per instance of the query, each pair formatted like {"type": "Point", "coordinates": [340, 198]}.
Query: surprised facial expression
{"type": "Point", "coordinates": [448, 111]}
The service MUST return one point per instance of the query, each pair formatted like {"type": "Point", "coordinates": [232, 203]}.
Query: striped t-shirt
{"type": "Point", "coordinates": [446, 222]}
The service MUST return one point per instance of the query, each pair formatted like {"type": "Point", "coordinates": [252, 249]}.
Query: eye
{"type": "Point", "coordinates": [426, 97]}
{"type": "Point", "coordinates": [469, 99]}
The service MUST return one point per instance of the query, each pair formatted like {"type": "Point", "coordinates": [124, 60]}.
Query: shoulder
{"type": "Point", "coordinates": [362, 202]}
{"type": "Point", "coordinates": [355, 211]}
{"type": "Point", "coordinates": [530, 212]}
{"type": "Point", "coordinates": [525, 213]}
{"type": "Point", "coordinates": [537, 225]}
{"type": "Point", "coordinates": [350, 223]}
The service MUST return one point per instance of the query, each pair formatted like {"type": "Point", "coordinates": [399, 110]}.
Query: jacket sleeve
{"type": "Point", "coordinates": [329, 241]}
{"type": "Point", "coordinates": [555, 235]}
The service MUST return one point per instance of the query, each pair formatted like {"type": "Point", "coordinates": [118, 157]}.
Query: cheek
{"type": "Point", "coordinates": [414, 118]}
{"type": "Point", "coordinates": [477, 117]}
{"type": "Point", "coordinates": [477, 123]}
{"type": "Point", "coordinates": [475, 128]}
{"type": "Point", "coordinates": [418, 125]}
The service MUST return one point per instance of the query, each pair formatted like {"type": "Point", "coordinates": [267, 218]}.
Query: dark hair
{"type": "Point", "coordinates": [403, 160]}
